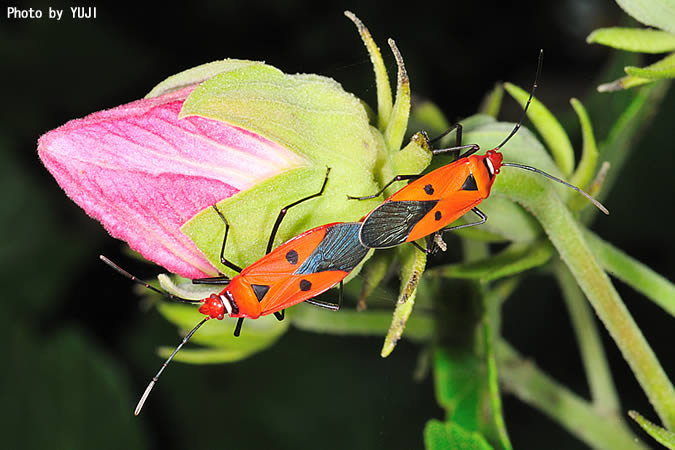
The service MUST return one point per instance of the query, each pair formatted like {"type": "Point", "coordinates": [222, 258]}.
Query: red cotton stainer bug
{"type": "Point", "coordinates": [431, 202]}
{"type": "Point", "coordinates": [296, 271]}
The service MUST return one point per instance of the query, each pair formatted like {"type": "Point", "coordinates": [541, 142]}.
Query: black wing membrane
{"type": "Point", "coordinates": [340, 250]}
{"type": "Point", "coordinates": [390, 223]}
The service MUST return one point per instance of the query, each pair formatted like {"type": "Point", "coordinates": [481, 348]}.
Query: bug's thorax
{"type": "Point", "coordinates": [484, 168]}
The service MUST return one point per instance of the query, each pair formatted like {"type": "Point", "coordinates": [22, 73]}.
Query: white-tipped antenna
{"type": "Point", "coordinates": [599, 205]}
{"type": "Point", "coordinates": [154, 380]}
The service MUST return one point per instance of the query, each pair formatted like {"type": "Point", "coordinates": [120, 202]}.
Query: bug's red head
{"type": "Point", "coordinates": [213, 306]}
{"type": "Point", "coordinates": [495, 161]}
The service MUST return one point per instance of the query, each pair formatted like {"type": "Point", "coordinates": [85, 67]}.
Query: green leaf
{"type": "Point", "coordinates": [634, 39]}
{"type": "Point", "coordinates": [661, 435]}
{"type": "Point", "coordinates": [309, 114]}
{"type": "Point", "coordinates": [460, 385]}
{"type": "Point", "coordinates": [655, 13]}
{"type": "Point", "coordinates": [514, 259]}
{"type": "Point", "coordinates": [664, 68]}
{"type": "Point", "coordinates": [197, 75]}
{"type": "Point", "coordinates": [548, 126]}
{"type": "Point", "coordinates": [412, 267]}
{"type": "Point", "coordinates": [450, 436]}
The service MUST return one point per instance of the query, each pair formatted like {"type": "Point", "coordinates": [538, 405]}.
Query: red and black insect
{"type": "Point", "coordinates": [432, 201]}
{"type": "Point", "coordinates": [296, 271]}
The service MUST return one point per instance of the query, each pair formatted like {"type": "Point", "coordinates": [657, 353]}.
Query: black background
{"type": "Point", "coordinates": [78, 347]}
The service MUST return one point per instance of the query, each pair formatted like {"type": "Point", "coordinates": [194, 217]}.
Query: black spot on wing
{"type": "Point", "coordinates": [340, 250]}
{"type": "Point", "coordinates": [469, 184]}
{"type": "Point", "coordinates": [391, 222]}
{"type": "Point", "coordinates": [305, 285]}
{"type": "Point", "coordinates": [292, 257]}
{"type": "Point", "coordinates": [260, 290]}
{"type": "Point", "coordinates": [438, 215]}
{"type": "Point", "coordinates": [429, 189]}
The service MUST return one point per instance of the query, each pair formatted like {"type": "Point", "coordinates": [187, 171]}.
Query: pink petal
{"type": "Point", "coordinates": [143, 173]}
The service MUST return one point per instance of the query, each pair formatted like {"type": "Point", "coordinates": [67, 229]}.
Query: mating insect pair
{"type": "Point", "coordinates": [316, 260]}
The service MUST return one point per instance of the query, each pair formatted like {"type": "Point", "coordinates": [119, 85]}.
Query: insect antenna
{"type": "Point", "coordinates": [527, 105]}
{"type": "Point", "coordinates": [145, 284]}
{"type": "Point", "coordinates": [599, 205]}
{"type": "Point", "coordinates": [154, 380]}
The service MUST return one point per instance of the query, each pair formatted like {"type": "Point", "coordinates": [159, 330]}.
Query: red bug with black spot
{"type": "Point", "coordinates": [297, 271]}
{"type": "Point", "coordinates": [431, 202]}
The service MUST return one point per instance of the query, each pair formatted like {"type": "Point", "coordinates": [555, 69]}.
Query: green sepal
{"type": "Point", "coordinates": [413, 262]}
{"type": "Point", "coordinates": [384, 98]}
{"type": "Point", "coordinates": [661, 435]}
{"type": "Point", "coordinates": [585, 171]}
{"type": "Point", "coordinates": [308, 114]}
{"type": "Point", "coordinates": [492, 102]}
{"type": "Point", "coordinates": [633, 39]}
{"type": "Point", "coordinates": [548, 127]}
{"type": "Point", "coordinates": [197, 75]}
{"type": "Point", "coordinates": [664, 68]}
{"type": "Point", "coordinates": [451, 436]}
{"type": "Point", "coordinates": [398, 121]}
{"type": "Point", "coordinates": [414, 157]}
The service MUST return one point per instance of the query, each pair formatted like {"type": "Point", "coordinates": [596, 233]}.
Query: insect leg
{"type": "Point", "coordinates": [280, 315]}
{"type": "Point", "coordinates": [212, 280]}
{"type": "Point", "coordinates": [237, 329]}
{"type": "Point", "coordinates": [478, 212]}
{"type": "Point", "coordinates": [471, 148]}
{"type": "Point", "coordinates": [224, 261]}
{"type": "Point", "coordinates": [285, 209]}
{"type": "Point", "coordinates": [328, 305]}
{"type": "Point", "coordinates": [378, 193]}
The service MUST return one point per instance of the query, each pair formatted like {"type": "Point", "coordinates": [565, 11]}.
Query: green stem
{"type": "Point", "coordinates": [640, 277]}
{"type": "Point", "coordinates": [532, 386]}
{"type": "Point", "coordinates": [603, 391]}
{"type": "Point", "coordinates": [493, 386]}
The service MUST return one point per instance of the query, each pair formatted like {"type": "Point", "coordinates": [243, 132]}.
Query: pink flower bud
{"type": "Point", "coordinates": [143, 173]}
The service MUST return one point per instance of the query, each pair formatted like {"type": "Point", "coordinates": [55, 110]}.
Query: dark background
{"type": "Point", "coordinates": [78, 348]}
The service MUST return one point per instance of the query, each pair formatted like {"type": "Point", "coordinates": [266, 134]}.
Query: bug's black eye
{"type": "Point", "coordinates": [469, 184]}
